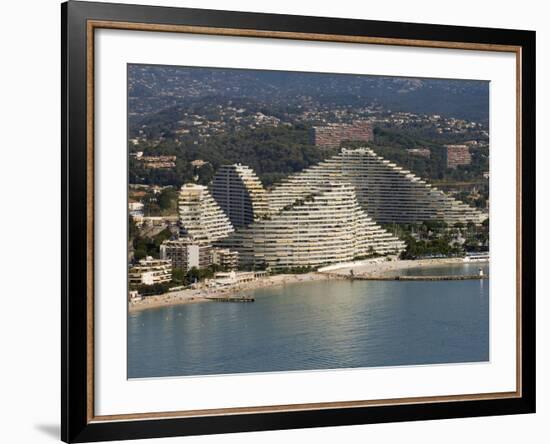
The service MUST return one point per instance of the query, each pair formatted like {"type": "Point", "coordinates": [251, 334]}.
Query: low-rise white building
{"type": "Point", "coordinates": [133, 295]}
{"type": "Point", "coordinates": [155, 221]}
{"type": "Point", "coordinates": [229, 278]}
{"type": "Point", "coordinates": [135, 209]}
{"type": "Point", "coordinates": [226, 258]}
{"type": "Point", "coordinates": [150, 271]}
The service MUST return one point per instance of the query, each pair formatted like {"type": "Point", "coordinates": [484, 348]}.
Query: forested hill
{"type": "Point", "coordinates": [262, 118]}
{"type": "Point", "coordinates": [273, 153]}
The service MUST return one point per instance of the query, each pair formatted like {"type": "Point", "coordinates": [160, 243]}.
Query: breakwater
{"type": "Point", "coordinates": [418, 278]}
{"type": "Point", "coordinates": [230, 298]}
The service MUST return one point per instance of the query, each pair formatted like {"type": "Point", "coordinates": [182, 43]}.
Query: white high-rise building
{"type": "Point", "coordinates": [200, 218]}
{"type": "Point", "coordinates": [388, 192]}
{"type": "Point", "coordinates": [240, 194]}
{"type": "Point", "coordinates": [323, 227]}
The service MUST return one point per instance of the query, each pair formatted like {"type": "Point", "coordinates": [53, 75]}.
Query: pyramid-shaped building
{"type": "Point", "coordinates": [389, 193]}
{"type": "Point", "coordinates": [200, 217]}
{"type": "Point", "coordinates": [323, 226]}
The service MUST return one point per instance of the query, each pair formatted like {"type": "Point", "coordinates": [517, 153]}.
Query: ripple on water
{"type": "Point", "coordinates": [315, 325]}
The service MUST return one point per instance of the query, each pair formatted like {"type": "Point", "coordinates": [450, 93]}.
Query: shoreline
{"type": "Point", "coordinates": [201, 294]}
{"type": "Point", "coordinates": [376, 268]}
{"type": "Point", "coordinates": [383, 269]}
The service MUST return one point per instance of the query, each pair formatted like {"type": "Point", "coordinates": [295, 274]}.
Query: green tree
{"type": "Point", "coordinates": [132, 228]}
{"type": "Point", "coordinates": [179, 276]}
{"type": "Point", "coordinates": [167, 199]}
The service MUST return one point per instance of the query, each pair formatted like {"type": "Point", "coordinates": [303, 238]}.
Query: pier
{"type": "Point", "coordinates": [230, 298]}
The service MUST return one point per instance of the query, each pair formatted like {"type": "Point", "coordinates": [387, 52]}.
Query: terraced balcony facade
{"type": "Point", "coordinates": [240, 194]}
{"type": "Point", "coordinates": [200, 217]}
{"type": "Point", "coordinates": [389, 193]}
{"type": "Point", "coordinates": [325, 226]}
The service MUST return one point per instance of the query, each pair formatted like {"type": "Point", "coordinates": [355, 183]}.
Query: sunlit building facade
{"type": "Point", "coordinates": [150, 271]}
{"type": "Point", "coordinates": [200, 217]}
{"type": "Point", "coordinates": [185, 254]}
{"type": "Point", "coordinates": [240, 194]}
{"type": "Point", "coordinates": [325, 226]}
{"type": "Point", "coordinates": [389, 193]}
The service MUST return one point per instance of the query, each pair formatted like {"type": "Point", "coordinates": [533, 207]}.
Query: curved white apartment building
{"type": "Point", "coordinates": [388, 192]}
{"type": "Point", "coordinates": [200, 218]}
{"type": "Point", "coordinates": [325, 226]}
{"type": "Point", "coordinates": [239, 193]}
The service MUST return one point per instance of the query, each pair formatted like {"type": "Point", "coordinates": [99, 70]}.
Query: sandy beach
{"type": "Point", "coordinates": [374, 268]}
{"type": "Point", "coordinates": [201, 294]}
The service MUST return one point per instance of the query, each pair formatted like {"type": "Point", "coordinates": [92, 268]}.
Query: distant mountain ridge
{"type": "Point", "coordinates": [153, 89]}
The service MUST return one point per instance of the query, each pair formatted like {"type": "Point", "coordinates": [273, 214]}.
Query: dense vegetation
{"type": "Point", "coordinates": [151, 290]}
{"type": "Point", "coordinates": [429, 248]}
{"type": "Point", "coordinates": [438, 239]}
{"type": "Point", "coordinates": [146, 246]}
{"type": "Point", "coordinates": [273, 153]}
{"type": "Point", "coordinates": [393, 145]}
{"type": "Point", "coordinates": [162, 204]}
{"type": "Point", "coordinates": [180, 277]}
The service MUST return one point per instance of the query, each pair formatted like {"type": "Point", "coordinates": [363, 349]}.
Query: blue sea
{"type": "Point", "coordinates": [318, 325]}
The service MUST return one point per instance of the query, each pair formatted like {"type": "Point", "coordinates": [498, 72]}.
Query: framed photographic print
{"type": "Point", "coordinates": [276, 221]}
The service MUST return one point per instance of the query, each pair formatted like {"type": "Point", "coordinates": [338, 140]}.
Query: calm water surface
{"type": "Point", "coordinates": [318, 325]}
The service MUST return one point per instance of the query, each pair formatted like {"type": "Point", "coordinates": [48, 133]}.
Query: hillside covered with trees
{"type": "Point", "coordinates": [273, 153]}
